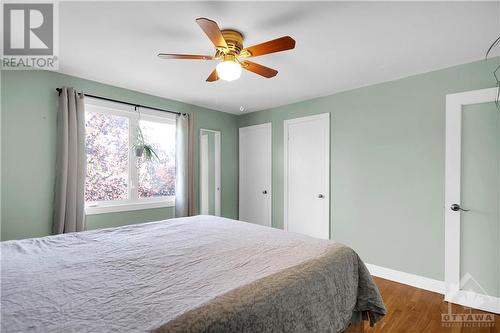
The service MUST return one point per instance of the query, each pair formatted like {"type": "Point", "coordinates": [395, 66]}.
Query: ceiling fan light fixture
{"type": "Point", "coordinates": [229, 49]}
{"type": "Point", "coordinates": [229, 69]}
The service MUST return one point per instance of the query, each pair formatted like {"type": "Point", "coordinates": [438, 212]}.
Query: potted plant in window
{"type": "Point", "coordinates": [142, 148]}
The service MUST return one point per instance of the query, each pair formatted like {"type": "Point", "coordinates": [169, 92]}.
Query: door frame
{"type": "Point", "coordinates": [217, 168]}
{"type": "Point", "coordinates": [267, 125]}
{"type": "Point", "coordinates": [453, 136]}
{"type": "Point", "coordinates": [203, 172]}
{"type": "Point", "coordinates": [286, 123]}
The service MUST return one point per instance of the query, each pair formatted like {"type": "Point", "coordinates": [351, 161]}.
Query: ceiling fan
{"type": "Point", "coordinates": [229, 49]}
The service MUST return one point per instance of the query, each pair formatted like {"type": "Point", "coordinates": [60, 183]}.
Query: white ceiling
{"type": "Point", "coordinates": [339, 45]}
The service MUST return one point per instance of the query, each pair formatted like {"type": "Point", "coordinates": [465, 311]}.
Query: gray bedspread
{"type": "Point", "coordinates": [197, 274]}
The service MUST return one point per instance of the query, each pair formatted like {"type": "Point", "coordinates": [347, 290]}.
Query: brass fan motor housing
{"type": "Point", "coordinates": [234, 41]}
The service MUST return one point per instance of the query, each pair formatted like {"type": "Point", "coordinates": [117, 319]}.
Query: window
{"type": "Point", "coordinates": [118, 180]}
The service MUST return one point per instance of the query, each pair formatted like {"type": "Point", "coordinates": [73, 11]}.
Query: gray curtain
{"type": "Point", "coordinates": [69, 201]}
{"type": "Point", "coordinates": [184, 167]}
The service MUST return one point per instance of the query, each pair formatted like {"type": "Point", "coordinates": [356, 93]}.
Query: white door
{"type": "Point", "coordinates": [217, 172]}
{"type": "Point", "coordinates": [204, 179]}
{"type": "Point", "coordinates": [307, 175]}
{"type": "Point", "coordinates": [255, 174]}
{"type": "Point", "coordinates": [210, 181]}
{"type": "Point", "coordinates": [472, 200]}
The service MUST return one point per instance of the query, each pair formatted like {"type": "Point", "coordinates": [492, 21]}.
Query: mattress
{"type": "Point", "coordinates": [195, 274]}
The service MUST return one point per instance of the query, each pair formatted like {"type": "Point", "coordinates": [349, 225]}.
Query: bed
{"type": "Point", "coordinates": [195, 274]}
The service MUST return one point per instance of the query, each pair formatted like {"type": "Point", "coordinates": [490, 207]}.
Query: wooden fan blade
{"type": "Point", "coordinates": [213, 76]}
{"type": "Point", "coordinates": [275, 45]}
{"type": "Point", "coordinates": [184, 56]}
{"type": "Point", "coordinates": [259, 69]}
{"type": "Point", "coordinates": [213, 32]}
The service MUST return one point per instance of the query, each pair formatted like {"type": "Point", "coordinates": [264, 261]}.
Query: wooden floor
{"type": "Point", "coordinates": [412, 310]}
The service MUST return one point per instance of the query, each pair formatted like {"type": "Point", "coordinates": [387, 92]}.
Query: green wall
{"type": "Point", "coordinates": [28, 137]}
{"type": "Point", "coordinates": [387, 160]}
{"type": "Point", "coordinates": [387, 164]}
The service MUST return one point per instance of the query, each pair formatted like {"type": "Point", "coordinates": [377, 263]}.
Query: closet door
{"type": "Point", "coordinates": [255, 174]}
{"type": "Point", "coordinates": [307, 175]}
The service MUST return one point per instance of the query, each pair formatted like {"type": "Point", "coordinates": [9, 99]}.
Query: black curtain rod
{"type": "Point", "coordinates": [59, 90]}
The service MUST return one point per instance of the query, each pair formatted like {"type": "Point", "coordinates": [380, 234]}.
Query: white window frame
{"type": "Point", "coordinates": [133, 202]}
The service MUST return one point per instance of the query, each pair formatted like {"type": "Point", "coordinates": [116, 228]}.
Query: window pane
{"type": "Point", "coordinates": [157, 178]}
{"type": "Point", "coordinates": [107, 147]}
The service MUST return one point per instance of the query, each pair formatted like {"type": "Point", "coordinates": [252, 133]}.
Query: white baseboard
{"type": "Point", "coordinates": [407, 278]}
{"type": "Point", "coordinates": [481, 302]}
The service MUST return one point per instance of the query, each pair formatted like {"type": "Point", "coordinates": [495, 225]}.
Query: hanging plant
{"type": "Point", "coordinates": [141, 147]}
{"type": "Point", "coordinates": [496, 72]}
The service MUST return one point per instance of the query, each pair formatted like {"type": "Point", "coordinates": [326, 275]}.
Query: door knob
{"type": "Point", "coordinates": [321, 196]}
{"type": "Point", "coordinates": [456, 208]}
{"type": "Point", "coordinates": [264, 192]}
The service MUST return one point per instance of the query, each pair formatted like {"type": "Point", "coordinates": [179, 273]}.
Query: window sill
{"type": "Point", "coordinates": [115, 208]}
